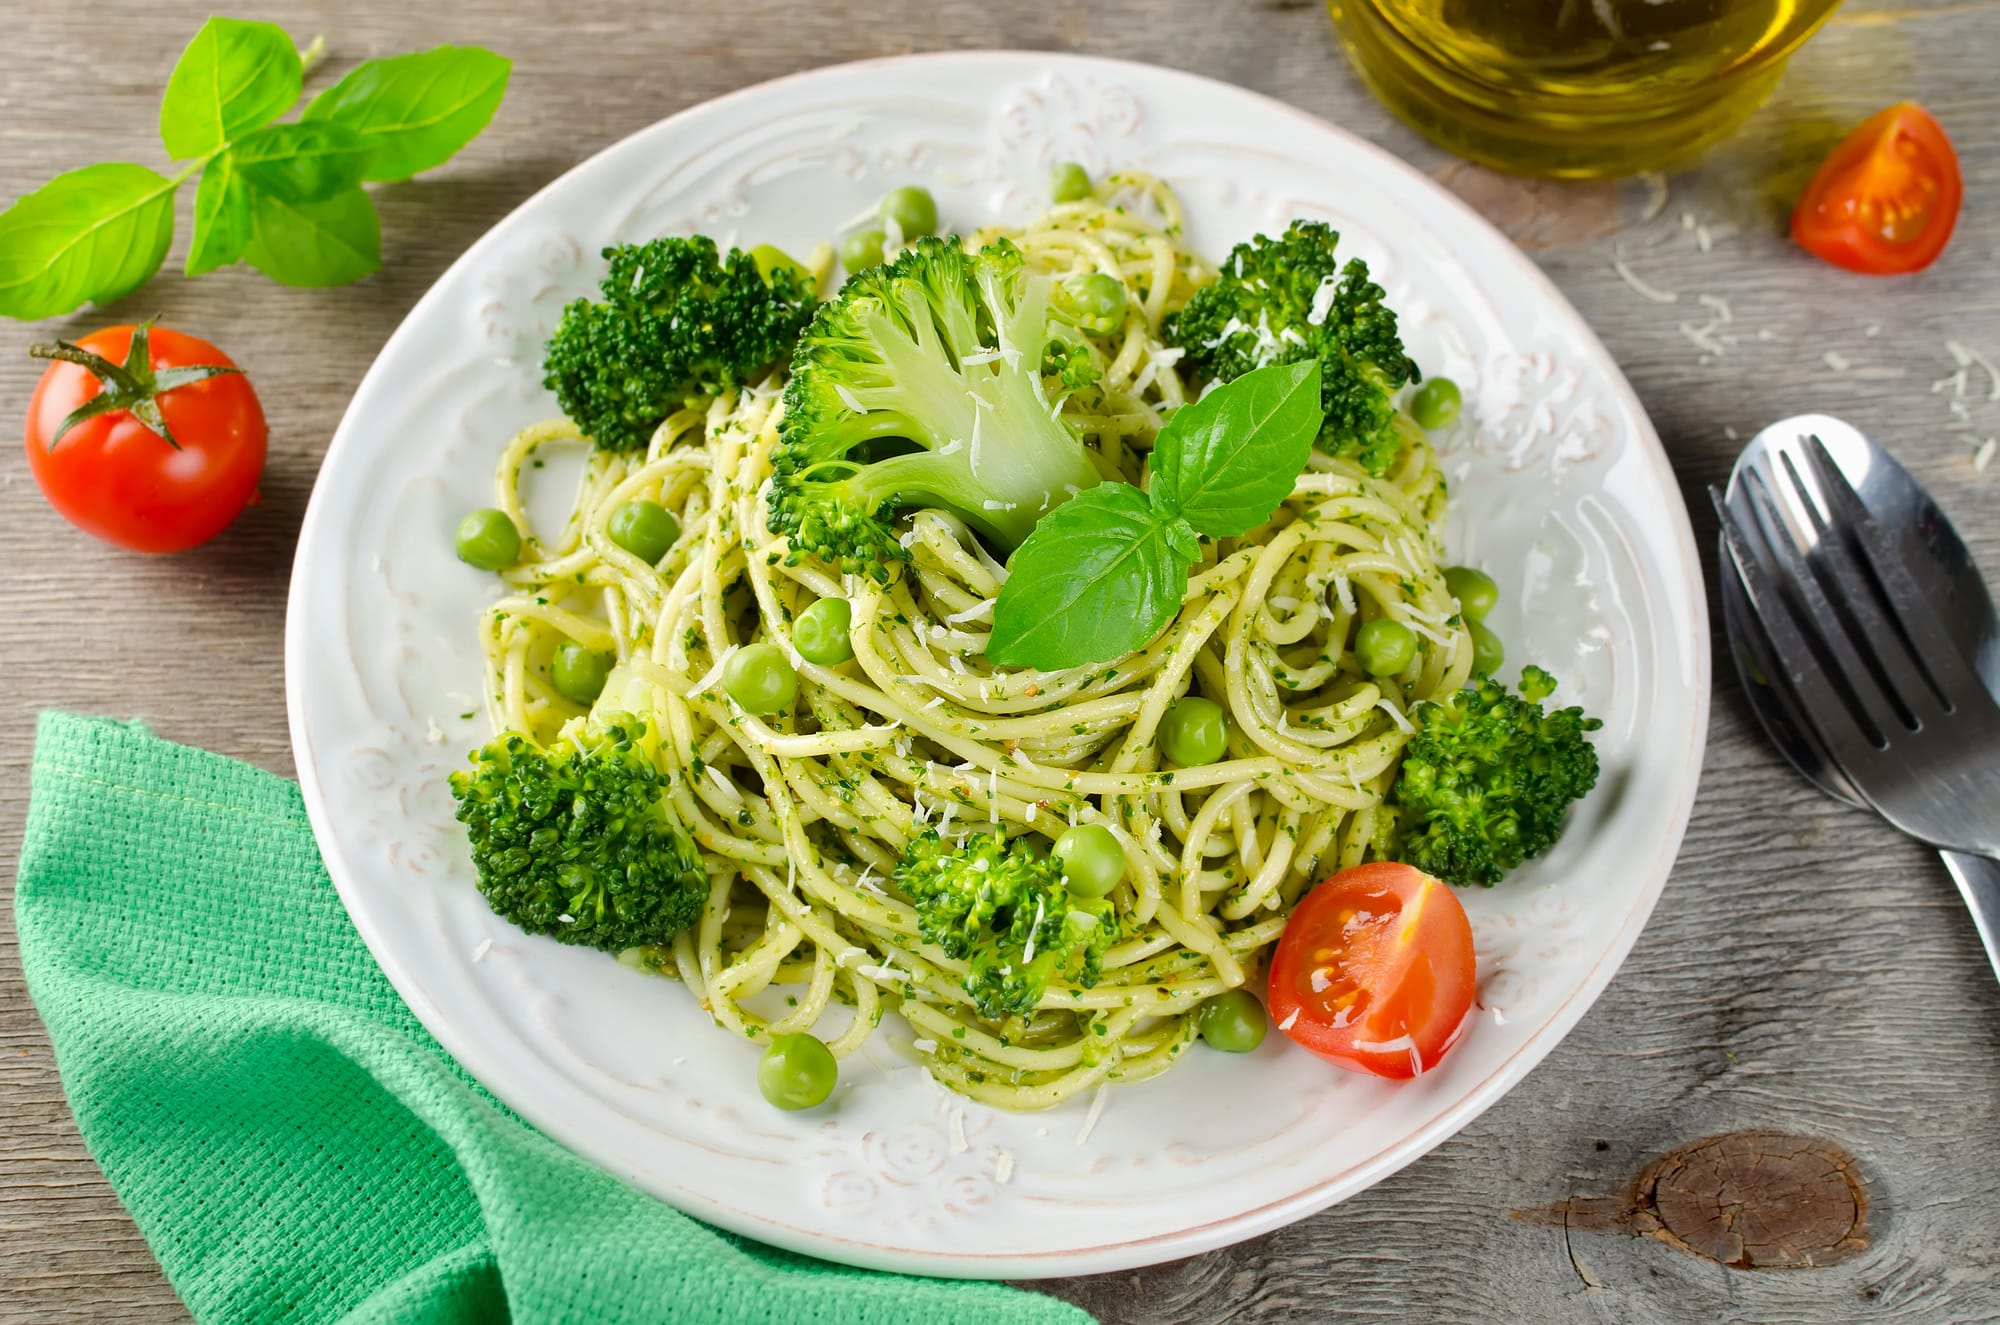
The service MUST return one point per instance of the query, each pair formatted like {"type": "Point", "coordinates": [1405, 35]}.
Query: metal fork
{"type": "Point", "coordinates": [1896, 704]}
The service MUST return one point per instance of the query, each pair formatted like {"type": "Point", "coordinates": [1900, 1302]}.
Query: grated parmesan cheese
{"type": "Point", "coordinates": [1656, 194]}
{"type": "Point", "coordinates": [1968, 357]}
{"type": "Point", "coordinates": [1639, 287]}
{"type": "Point", "coordinates": [713, 674]}
{"type": "Point", "coordinates": [1322, 300]}
{"type": "Point", "coordinates": [1383, 702]}
{"type": "Point", "coordinates": [1003, 1168]}
{"type": "Point", "coordinates": [479, 953]}
{"type": "Point", "coordinates": [1096, 1112]}
{"type": "Point", "coordinates": [1704, 338]}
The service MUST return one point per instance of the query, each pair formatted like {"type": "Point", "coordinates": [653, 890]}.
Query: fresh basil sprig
{"type": "Point", "coordinates": [1105, 571]}
{"type": "Point", "coordinates": [286, 198]}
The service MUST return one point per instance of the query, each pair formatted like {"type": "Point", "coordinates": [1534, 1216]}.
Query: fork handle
{"type": "Point", "coordinates": [1978, 880]}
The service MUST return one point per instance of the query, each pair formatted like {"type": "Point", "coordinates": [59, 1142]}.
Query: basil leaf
{"type": "Point", "coordinates": [302, 162]}
{"type": "Point", "coordinates": [416, 110]}
{"type": "Point", "coordinates": [94, 233]}
{"type": "Point", "coordinates": [315, 243]}
{"type": "Point", "coordinates": [1100, 576]}
{"type": "Point", "coordinates": [234, 76]}
{"type": "Point", "coordinates": [1226, 461]}
{"type": "Point", "coordinates": [221, 217]}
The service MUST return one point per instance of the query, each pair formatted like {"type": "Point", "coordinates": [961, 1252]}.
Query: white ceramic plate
{"type": "Point", "coordinates": [1560, 487]}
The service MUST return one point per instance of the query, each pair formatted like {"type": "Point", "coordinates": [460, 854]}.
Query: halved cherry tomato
{"type": "Point", "coordinates": [164, 463]}
{"type": "Point", "coordinates": [1374, 971]}
{"type": "Point", "coordinates": [1885, 200]}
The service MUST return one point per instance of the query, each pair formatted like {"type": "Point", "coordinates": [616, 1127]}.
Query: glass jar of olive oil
{"type": "Point", "coordinates": [1575, 87]}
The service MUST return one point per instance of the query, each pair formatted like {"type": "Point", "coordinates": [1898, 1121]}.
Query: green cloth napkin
{"type": "Point", "coordinates": [291, 1142]}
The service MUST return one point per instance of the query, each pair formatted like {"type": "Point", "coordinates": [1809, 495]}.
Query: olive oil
{"type": "Point", "coordinates": [1575, 87]}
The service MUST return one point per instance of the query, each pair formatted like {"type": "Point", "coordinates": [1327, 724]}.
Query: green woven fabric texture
{"type": "Point", "coordinates": [291, 1142]}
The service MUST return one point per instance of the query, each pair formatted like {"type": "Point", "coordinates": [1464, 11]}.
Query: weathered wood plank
{"type": "Point", "coordinates": [1807, 970]}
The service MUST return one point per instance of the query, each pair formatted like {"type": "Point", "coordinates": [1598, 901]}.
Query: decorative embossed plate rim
{"type": "Point", "coordinates": [1560, 485]}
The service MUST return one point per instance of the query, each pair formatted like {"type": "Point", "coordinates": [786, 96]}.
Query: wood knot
{"type": "Point", "coordinates": [1757, 1200]}
{"type": "Point", "coordinates": [1751, 1200]}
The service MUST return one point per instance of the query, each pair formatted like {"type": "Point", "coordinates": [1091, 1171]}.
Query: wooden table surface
{"type": "Point", "coordinates": [1808, 971]}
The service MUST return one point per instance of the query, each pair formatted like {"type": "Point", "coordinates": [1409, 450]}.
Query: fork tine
{"type": "Point", "coordinates": [1936, 655]}
{"type": "Point", "coordinates": [1781, 711]}
{"type": "Point", "coordinates": [1836, 722]}
{"type": "Point", "coordinates": [1820, 622]}
{"type": "Point", "coordinates": [1909, 685]}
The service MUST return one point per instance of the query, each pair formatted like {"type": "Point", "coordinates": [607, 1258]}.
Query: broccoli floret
{"type": "Point", "coordinates": [1486, 780]}
{"type": "Point", "coordinates": [577, 840]}
{"type": "Point", "coordinates": [1070, 365]}
{"type": "Point", "coordinates": [676, 322]}
{"type": "Point", "coordinates": [1290, 299]}
{"type": "Point", "coordinates": [1004, 911]}
{"type": "Point", "coordinates": [920, 384]}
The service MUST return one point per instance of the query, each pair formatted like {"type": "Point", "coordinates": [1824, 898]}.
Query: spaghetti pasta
{"type": "Point", "coordinates": [802, 818]}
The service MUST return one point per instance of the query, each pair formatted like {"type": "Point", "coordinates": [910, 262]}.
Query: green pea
{"type": "Point", "coordinates": [1436, 403]}
{"type": "Point", "coordinates": [912, 209]}
{"type": "Point", "coordinates": [1069, 182]}
{"type": "Point", "coordinates": [646, 529]}
{"type": "Point", "coordinates": [761, 679]}
{"type": "Point", "coordinates": [1193, 731]}
{"type": "Point", "coordinates": [1092, 861]}
{"type": "Point", "coordinates": [771, 259]}
{"type": "Point", "coordinates": [1232, 1022]}
{"type": "Point", "coordinates": [1487, 651]}
{"type": "Point", "coordinates": [579, 673]}
{"type": "Point", "coordinates": [1474, 589]}
{"type": "Point", "coordinates": [1097, 301]}
{"type": "Point", "coordinates": [488, 539]}
{"type": "Point", "coordinates": [820, 632]}
{"type": "Point", "coordinates": [797, 1072]}
{"type": "Point", "coordinates": [861, 250]}
{"type": "Point", "coordinates": [1384, 647]}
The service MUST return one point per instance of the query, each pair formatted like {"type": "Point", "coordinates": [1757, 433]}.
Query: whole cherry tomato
{"type": "Point", "coordinates": [145, 437]}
